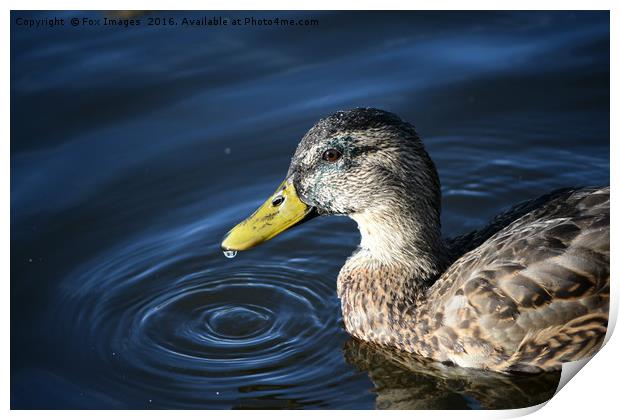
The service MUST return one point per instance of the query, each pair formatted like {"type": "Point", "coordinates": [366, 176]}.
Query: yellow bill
{"type": "Point", "coordinates": [280, 212]}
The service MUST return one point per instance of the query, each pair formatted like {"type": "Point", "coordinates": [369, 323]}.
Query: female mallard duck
{"type": "Point", "coordinates": [526, 293]}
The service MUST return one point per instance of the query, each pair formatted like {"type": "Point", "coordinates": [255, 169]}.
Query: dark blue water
{"type": "Point", "coordinates": [134, 150]}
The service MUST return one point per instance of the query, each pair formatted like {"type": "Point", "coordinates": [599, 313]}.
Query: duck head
{"type": "Point", "coordinates": [366, 164]}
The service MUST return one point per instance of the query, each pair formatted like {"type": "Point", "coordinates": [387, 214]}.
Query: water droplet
{"type": "Point", "coordinates": [229, 253]}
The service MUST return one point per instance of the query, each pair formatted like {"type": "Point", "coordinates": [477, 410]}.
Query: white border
{"type": "Point", "coordinates": [591, 395]}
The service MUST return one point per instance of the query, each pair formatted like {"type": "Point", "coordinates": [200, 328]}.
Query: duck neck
{"type": "Point", "coordinates": [383, 285]}
{"type": "Point", "coordinates": [406, 239]}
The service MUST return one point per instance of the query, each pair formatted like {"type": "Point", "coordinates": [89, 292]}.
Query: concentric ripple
{"type": "Point", "coordinates": [175, 324]}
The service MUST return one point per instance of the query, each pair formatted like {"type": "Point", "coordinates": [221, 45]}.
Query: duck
{"type": "Point", "coordinates": [524, 294]}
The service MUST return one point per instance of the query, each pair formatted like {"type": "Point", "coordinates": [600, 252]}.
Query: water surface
{"type": "Point", "coordinates": [134, 150]}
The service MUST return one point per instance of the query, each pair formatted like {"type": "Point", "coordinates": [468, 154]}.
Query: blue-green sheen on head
{"type": "Point", "coordinates": [382, 178]}
{"type": "Point", "coordinates": [382, 159]}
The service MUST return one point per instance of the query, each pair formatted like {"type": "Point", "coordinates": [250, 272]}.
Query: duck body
{"type": "Point", "coordinates": [531, 292]}
{"type": "Point", "coordinates": [524, 294]}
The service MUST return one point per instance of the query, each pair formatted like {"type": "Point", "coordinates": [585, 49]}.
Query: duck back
{"type": "Point", "coordinates": [532, 290]}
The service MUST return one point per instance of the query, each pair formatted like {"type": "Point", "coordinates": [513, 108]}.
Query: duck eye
{"type": "Point", "coordinates": [331, 155]}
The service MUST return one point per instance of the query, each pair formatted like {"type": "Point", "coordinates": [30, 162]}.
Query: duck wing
{"type": "Point", "coordinates": [461, 244]}
{"type": "Point", "coordinates": [533, 293]}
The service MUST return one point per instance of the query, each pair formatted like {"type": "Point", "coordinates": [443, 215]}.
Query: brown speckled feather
{"type": "Point", "coordinates": [533, 295]}
{"type": "Point", "coordinates": [537, 291]}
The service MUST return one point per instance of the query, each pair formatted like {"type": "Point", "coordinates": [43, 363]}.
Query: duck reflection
{"type": "Point", "coordinates": [403, 381]}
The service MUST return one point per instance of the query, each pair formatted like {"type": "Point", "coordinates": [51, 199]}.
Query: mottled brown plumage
{"type": "Point", "coordinates": [531, 296]}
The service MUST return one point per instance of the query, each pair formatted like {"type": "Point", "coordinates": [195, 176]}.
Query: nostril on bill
{"type": "Point", "coordinates": [277, 201]}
